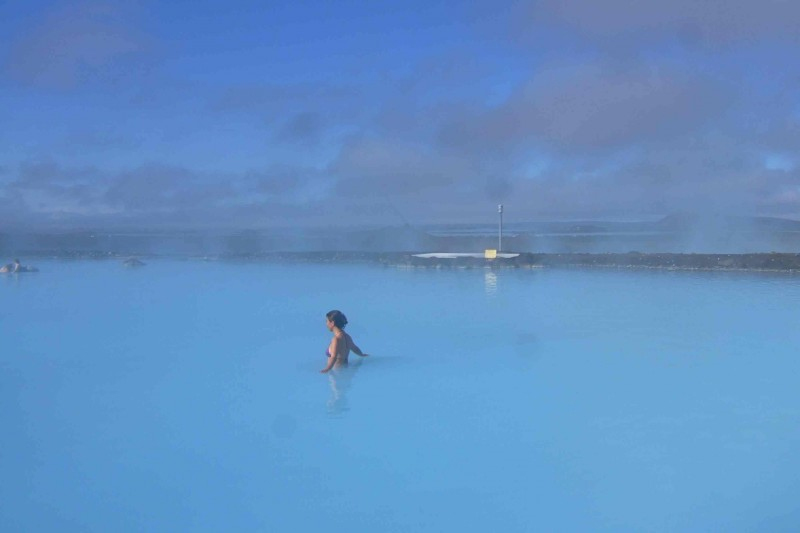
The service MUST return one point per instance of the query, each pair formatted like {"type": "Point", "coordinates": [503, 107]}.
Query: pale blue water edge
{"type": "Point", "coordinates": [185, 396]}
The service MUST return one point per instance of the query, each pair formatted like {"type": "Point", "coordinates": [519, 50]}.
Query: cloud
{"type": "Point", "coordinates": [599, 138]}
{"type": "Point", "coordinates": [45, 172]}
{"type": "Point", "coordinates": [48, 172]}
{"type": "Point", "coordinates": [43, 192]}
{"type": "Point", "coordinates": [370, 167]}
{"type": "Point", "coordinates": [278, 97]}
{"type": "Point", "coordinates": [595, 106]}
{"type": "Point", "coordinates": [45, 186]}
{"type": "Point", "coordinates": [695, 22]}
{"type": "Point", "coordinates": [606, 107]}
{"type": "Point", "coordinates": [164, 188]}
{"type": "Point", "coordinates": [782, 135]}
{"type": "Point", "coordinates": [499, 188]}
{"type": "Point", "coordinates": [298, 116]}
{"type": "Point", "coordinates": [305, 128]}
{"type": "Point", "coordinates": [100, 139]}
{"type": "Point", "coordinates": [287, 184]}
{"type": "Point", "coordinates": [716, 174]}
{"type": "Point", "coordinates": [77, 43]}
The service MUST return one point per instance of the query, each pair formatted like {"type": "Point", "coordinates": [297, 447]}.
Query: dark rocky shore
{"type": "Point", "coordinates": [775, 262]}
{"type": "Point", "coordinates": [781, 262]}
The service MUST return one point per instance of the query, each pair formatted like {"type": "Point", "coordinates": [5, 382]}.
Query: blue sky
{"type": "Point", "coordinates": [262, 114]}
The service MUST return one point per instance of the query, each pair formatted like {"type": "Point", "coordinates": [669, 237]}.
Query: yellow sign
{"type": "Point", "coordinates": [490, 254]}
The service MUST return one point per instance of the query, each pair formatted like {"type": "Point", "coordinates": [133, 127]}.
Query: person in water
{"type": "Point", "coordinates": [11, 267]}
{"type": "Point", "coordinates": [341, 344]}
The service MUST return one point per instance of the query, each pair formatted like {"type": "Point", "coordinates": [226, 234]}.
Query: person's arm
{"type": "Point", "coordinates": [332, 357]}
{"type": "Point", "coordinates": [356, 350]}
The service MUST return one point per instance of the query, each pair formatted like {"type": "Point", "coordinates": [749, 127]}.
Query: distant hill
{"type": "Point", "coordinates": [699, 222]}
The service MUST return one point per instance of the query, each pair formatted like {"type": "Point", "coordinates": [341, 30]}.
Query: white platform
{"type": "Point", "coordinates": [454, 255]}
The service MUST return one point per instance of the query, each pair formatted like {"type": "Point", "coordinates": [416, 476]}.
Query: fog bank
{"type": "Point", "coordinates": [672, 234]}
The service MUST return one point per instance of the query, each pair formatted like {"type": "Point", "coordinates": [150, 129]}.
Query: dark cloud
{"type": "Point", "coordinates": [450, 76]}
{"type": "Point", "coordinates": [12, 214]}
{"type": "Point", "coordinates": [290, 183]}
{"type": "Point", "coordinates": [49, 172]}
{"type": "Point", "coordinates": [499, 188]}
{"type": "Point", "coordinates": [276, 98]}
{"type": "Point", "coordinates": [44, 192]}
{"type": "Point", "coordinates": [77, 43]}
{"type": "Point", "coordinates": [303, 128]}
{"type": "Point", "coordinates": [782, 135]}
{"type": "Point", "coordinates": [97, 139]}
{"type": "Point", "coordinates": [368, 167]}
{"type": "Point", "coordinates": [714, 174]}
{"type": "Point", "coordinates": [46, 185]}
{"type": "Point", "coordinates": [694, 22]}
{"type": "Point", "coordinates": [602, 138]}
{"type": "Point", "coordinates": [161, 187]}
{"type": "Point", "coordinates": [593, 107]}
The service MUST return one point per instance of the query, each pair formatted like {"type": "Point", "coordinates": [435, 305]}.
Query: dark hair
{"type": "Point", "coordinates": [338, 318]}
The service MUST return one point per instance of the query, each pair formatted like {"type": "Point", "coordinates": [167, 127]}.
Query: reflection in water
{"type": "Point", "coordinates": [340, 380]}
{"type": "Point", "coordinates": [11, 278]}
{"type": "Point", "coordinates": [490, 282]}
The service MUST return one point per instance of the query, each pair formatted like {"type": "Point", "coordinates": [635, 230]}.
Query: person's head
{"type": "Point", "coordinates": [336, 318]}
{"type": "Point", "coordinates": [16, 261]}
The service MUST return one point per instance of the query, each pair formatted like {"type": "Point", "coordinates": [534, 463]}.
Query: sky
{"type": "Point", "coordinates": [260, 114]}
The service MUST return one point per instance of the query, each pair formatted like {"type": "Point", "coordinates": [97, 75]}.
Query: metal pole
{"type": "Point", "coordinates": [500, 234]}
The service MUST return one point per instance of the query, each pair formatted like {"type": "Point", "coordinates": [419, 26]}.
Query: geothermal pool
{"type": "Point", "coordinates": [185, 396]}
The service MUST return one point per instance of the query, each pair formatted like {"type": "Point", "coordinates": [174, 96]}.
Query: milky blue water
{"type": "Point", "coordinates": [186, 396]}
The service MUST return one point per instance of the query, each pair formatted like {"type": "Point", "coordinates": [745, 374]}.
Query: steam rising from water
{"type": "Point", "coordinates": [684, 233]}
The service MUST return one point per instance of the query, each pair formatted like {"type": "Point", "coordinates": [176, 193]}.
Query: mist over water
{"type": "Point", "coordinates": [673, 234]}
{"type": "Point", "coordinates": [185, 395]}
